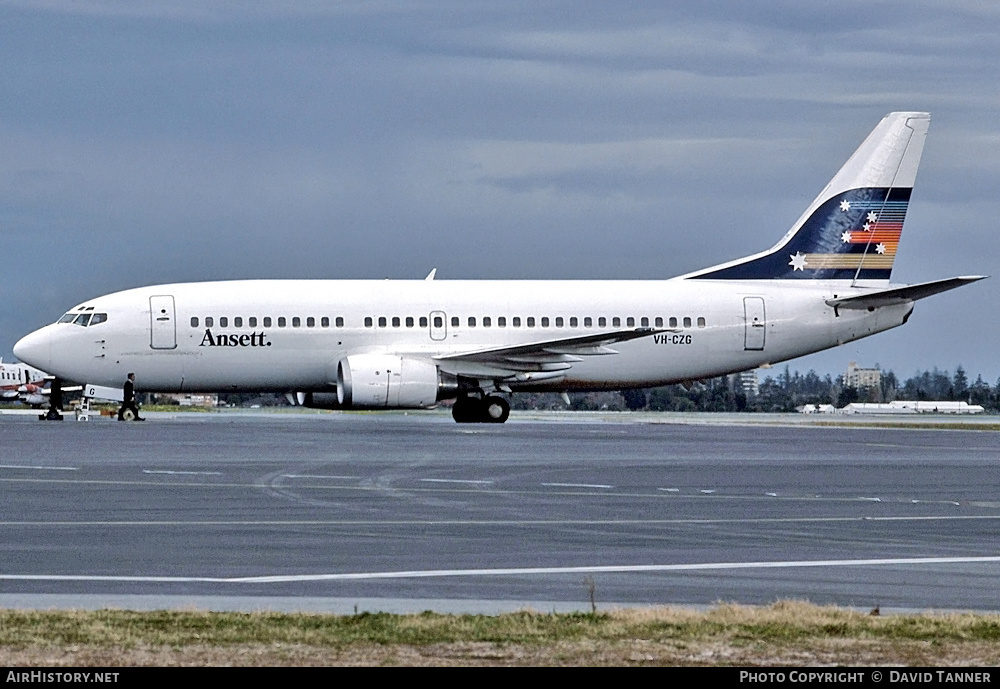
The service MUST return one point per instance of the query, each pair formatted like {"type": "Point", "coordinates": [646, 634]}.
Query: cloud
{"type": "Point", "coordinates": [158, 141]}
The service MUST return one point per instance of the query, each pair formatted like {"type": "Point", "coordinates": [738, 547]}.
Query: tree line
{"type": "Point", "coordinates": [783, 392]}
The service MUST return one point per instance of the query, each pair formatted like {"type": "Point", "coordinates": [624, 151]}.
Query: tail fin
{"type": "Point", "coordinates": [852, 230]}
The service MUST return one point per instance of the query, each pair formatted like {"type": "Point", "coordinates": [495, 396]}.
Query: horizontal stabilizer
{"type": "Point", "coordinates": [901, 295]}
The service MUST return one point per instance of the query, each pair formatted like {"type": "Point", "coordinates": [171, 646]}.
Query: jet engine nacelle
{"type": "Point", "coordinates": [314, 400]}
{"type": "Point", "coordinates": [34, 399]}
{"type": "Point", "coordinates": [385, 380]}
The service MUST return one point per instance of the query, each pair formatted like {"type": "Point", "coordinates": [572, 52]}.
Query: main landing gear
{"type": "Point", "coordinates": [488, 409]}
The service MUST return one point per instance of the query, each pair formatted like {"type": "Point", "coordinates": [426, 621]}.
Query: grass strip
{"type": "Point", "coordinates": [781, 622]}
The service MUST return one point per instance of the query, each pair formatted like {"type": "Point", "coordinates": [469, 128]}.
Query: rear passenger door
{"type": "Point", "coordinates": [755, 323]}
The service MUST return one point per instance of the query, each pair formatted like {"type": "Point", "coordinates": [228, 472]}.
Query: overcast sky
{"type": "Point", "coordinates": [163, 141]}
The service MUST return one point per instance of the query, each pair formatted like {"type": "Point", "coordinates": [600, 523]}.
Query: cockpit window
{"type": "Point", "coordinates": [83, 319]}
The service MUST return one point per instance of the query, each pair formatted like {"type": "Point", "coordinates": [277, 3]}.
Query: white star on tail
{"type": "Point", "coordinates": [845, 205]}
{"type": "Point", "coordinates": [798, 261]}
{"type": "Point", "coordinates": [846, 237]}
{"type": "Point", "coordinates": [872, 217]}
{"type": "Point", "coordinates": [880, 248]}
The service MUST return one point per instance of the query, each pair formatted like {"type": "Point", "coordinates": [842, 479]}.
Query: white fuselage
{"type": "Point", "coordinates": [213, 336]}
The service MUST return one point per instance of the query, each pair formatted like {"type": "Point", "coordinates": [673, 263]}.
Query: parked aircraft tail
{"type": "Point", "coordinates": [851, 231]}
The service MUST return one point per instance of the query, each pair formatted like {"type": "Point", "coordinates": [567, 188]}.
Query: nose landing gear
{"type": "Point", "coordinates": [55, 403]}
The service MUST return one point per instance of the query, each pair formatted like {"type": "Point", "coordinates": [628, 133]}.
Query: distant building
{"type": "Point", "coordinates": [860, 378]}
{"type": "Point", "coordinates": [188, 400]}
{"type": "Point", "coordinates": [913, 407]}
{"type": "Point", "coordinates": [745, 382]}
{"type": "Point", "coordinates": [816, 409]}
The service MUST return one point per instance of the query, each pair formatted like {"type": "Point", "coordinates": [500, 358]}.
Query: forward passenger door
{"type": "Point", "coordinates": [162, 328]}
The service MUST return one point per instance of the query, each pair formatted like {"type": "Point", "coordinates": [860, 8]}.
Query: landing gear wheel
{"type": "Point", "coordinates": [128, 415]}
{"type": "Point", "coordinates": [495, 409]}
{"type": "Point", "coordinates": [467, 410]}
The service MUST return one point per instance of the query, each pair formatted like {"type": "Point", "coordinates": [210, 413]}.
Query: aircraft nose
{"type": "Point", "coordinates": [35, 349]}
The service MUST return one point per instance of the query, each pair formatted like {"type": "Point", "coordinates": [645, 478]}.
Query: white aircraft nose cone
{"type": "Point", "coordinates": [35, 349]}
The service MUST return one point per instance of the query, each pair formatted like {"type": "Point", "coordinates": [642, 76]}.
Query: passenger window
{"type": "Point", "coordinates": [472, 321]}
{"type": "Point", "coordinates": [454, 321]}
{"type": "Point", "coordinates": [223, 322]}
{"type": "Point", "coordinates": [588, 322]}
{"type": "Point", "coordinates": [267, 321]}
{"type": "Point", "coordinates": [602, 322]}
{"type": "Point", "coordinates": [340, 321]}
{"type": "Point", "coordinates": [487, 322]}
{"type": "Point", "coordinates": [310, 322]}
{"type": "Point", "coordinates": [410, 322]}
{"type": "Point", "coordinates": [101, 317]}
{"type": "Point", "coordinates": [194, 321]}
{"type": "Point", "coordinates": [381, 321]}
{"type": "Point", "coordinates": [516, 321]}
{"type": "Point", "coordinates": [296, 322]}
{"type": "Point", "coordinates": [395, 321]}
{"type": "Point", "coordinates": [659, 321]}
{"type": "Point", "coordinates": [545, 321]}
{"type": "Point", "coordinates": [324, 322]}
{"type": "Point", "coordinates": [559, 321]}
{"type": "Point", "coordinates": [423, 321]}
{"type": "Point", "coordinates": [616, 322]}
{"type": "Point", "coordinates": [238, 321]}
{"type": "Point", "coordinates": [368, 321]}
{"type": "Point", "coordinates": [630, 321]}
{"type": "Point", "coordinates": [281, 321]}
{"type": "Point", "coordinates": [701, 322]}
{"type": "Point", "coordinates": [209, 321]}
{"type": "Point", "coordinates": [501, 321]}
{"type": "Point", "coordinates": [644, 322]}
{"type": "Point", "coordinates": [687, 321]}
{"type": "Point", "coordinates": [673, 322]}
{"type": "Point", "coordinates": [438, 321]}
{"type": "Point", "coordinates": [572, 321]}
{"type": "Point", "coordinates": [531, 321]}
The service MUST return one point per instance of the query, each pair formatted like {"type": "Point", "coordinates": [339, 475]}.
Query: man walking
{"type": "Point", "coordinates": [128, 401]}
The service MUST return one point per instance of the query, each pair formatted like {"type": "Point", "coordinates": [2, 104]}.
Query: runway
{"type": "Point", "coordinates": [410, 512]}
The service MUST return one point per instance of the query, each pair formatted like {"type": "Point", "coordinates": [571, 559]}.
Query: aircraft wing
{"type": "Point", "coordinates": [901, 295]}
{"type": "Point", "coordinates": [538, 360]}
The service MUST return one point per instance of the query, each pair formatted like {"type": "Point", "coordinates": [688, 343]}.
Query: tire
{"type": "Point", "coordinates": [128, 415]}
{"type": "Point", "coordinates": [495, 410]}
{"type": "Point", "coordinates": [467, 410]}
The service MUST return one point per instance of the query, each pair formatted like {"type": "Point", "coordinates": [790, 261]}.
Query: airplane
{"type": "Point", "coordinates": [378, 344]}
{"type": "Point", "coordinates": [22, 382]}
